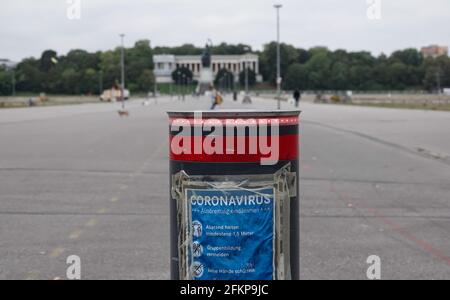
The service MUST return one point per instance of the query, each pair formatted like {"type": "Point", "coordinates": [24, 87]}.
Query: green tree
{"type": "Point", "coordinates": [47, 60]}
{"type": "Point", "coordinates": [182, 75]}
{"type": "Point", "coordinates": [362, 58]}
{"type": "Point", "coordinates": [5, 81]}
{"type": "Point", "coordinates": [319, 71]}
{"type": "Point", "coordinates": [89, 81]}
{"type": "Point", "coordinates": [251, 77]}
{"type": "Point", "coordinates": [289, 55]}
{"type": "Point", "coordinates": [360, 77]}
{"type": "Point", "coordinates": [47, 65]}
{"type": "Point", "coordinates": [110, 66]}
{"type": "Point", "coordinates": [436, 72]}
{"type": "Point", "coordinates": [80, 60]}
{"type": "Point", "coordinates": [224, 78]}
{"type": "Point", "coordinates": [70, 79]}
{"type": "Point", "coordinates": [138, 59]}
{"type": "Point", "coordinates": [397, 75]}
{"type": "Point", "coordinates": [296, 77]}
{"type": "Point", "coordinates": [410, 57]}
{"type": "Point", "coordinates": [339, 79]}
{"type": "Point", "coordinates": [28, 75]}
{"type": "Point", "coordinates": [380, 73]}
{"type": "Point", "coordinates": [227, 49]}
{"type": "Point", "coordinates": [146, 81]}
{"type": "Point", "coordinates": [303, 56]}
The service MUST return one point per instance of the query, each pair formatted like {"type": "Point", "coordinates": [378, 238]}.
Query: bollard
{"type": "Point", "coordinates": [234, 205]}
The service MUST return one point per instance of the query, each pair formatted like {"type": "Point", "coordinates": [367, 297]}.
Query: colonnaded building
{"type": "Point", "coordinates": [166, 64]}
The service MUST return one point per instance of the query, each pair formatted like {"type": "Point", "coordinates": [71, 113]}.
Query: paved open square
{"type": "Point", "coordinates": [80, 180]}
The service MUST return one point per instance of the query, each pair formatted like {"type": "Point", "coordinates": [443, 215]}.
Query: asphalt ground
{"type": "Point", "coordinates": [80, 180]}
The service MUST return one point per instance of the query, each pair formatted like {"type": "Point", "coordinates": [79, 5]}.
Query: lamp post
{"type": "Point", "coordinates": [278, 6]}
{"type": "Point", "coordinates": [247, 49]}
{"type": "Point", "coordinates": [122, 64]}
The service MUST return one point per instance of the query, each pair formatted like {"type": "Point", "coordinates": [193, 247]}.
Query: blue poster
{"type": "Point", "coordinates": [232, 234]}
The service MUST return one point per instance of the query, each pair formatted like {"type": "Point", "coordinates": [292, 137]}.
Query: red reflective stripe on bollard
{"type": "Point", "coordinates": [288, 149]}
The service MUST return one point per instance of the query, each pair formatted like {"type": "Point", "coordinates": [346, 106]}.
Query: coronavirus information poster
{"type": "Point", "coordinates": [232, 234]}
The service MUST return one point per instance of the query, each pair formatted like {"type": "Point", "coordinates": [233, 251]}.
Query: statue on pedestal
{"type": "Point", "coordinates": [206, 57]}
{"type": "Point", "coordinates": [206, 81]}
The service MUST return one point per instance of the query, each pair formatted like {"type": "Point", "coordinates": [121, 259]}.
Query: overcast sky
{"type": "Point", "coordinates": [29, 27]}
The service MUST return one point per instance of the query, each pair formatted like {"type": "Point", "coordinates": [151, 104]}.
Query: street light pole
{"type": "Point", "coordinates": [122, 65]}
{"type": "Point", "coordinates": [247, 49]}
{"type": "Point", "coordinates": [278, 6]}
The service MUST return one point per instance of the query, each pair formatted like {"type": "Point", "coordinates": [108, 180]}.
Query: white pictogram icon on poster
{"type": "Point", "coordinates": [197, 269]}
{"type": "Point", "coordinates": [197, 229]}
{"type": "Point", "coordinates": [197, 249]}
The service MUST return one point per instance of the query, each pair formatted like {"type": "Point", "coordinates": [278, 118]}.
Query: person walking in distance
{"type": "Point", "coordinates": [297, 97]}
{"type": "Point", "coordinates": [216, 99]}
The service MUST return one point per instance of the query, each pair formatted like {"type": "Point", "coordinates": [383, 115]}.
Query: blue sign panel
{"type": "Point", "coordinates": [232, 234]}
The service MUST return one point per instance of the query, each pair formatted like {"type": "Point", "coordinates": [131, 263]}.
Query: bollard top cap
{"type": "Point", "coordinates": [236, 113]}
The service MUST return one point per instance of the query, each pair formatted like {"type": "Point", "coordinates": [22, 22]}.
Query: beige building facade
{"type": "Point", "coordinates": [166, 64]}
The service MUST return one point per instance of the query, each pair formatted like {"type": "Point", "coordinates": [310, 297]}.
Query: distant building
{"type": "Point", "coordinates": [166, 64]}
{"type": "Point", "coordinates": [7, 63]}
{"type": "Point", "coordinates": [434, 51]}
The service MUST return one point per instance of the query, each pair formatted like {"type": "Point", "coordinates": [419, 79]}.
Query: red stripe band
{"type": "Point", "coordinates": [197, 149]}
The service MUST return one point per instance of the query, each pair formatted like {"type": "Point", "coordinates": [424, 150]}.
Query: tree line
{"type": "Point", "coordinates": [321, 69]}
{"type": "Point", "coordinates": [81, 72]}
